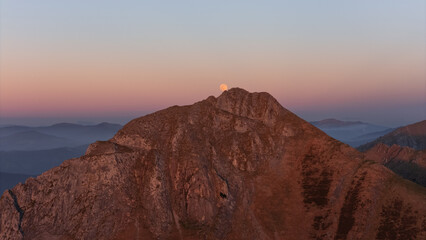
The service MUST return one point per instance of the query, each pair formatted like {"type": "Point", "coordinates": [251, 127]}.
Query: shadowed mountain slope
{"type": "Point", "coordinates": [406, 162]}
{"type": "Point", "coordinates": [239, 166]}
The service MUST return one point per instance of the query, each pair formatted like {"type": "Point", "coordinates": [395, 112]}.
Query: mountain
{"type": "Point", "coordinates": [86, 134]}
{"type": "Point", "coordinates": [406, 162]}
{"type": "Point", "coordinates": [9, 130]}
{"type": "Point", "coordinates": [239, 166]}
{"type": "Point", "coordinates": [59, 135]}
{"type": "Point", "coordinates": [402, 150]}
{"type": "Point", "coordinates": [17, 166]}
{"type": "Point", "coordinates": [334, 123]}
{"type": "Point", "coordinates": [33, 150]}
{"type": "Point", "coordinates": [413, 136]}
{"type": "Point", "coordinates": [32, 140]}
{"type": "Point", "coordinates": [354, 133]}
{"type": "Point", "coordinates": [8, 180]}
{"type": "Point", "coordinates": [374, 135]}
{"type": "Point", "coordinates": [38, 161]}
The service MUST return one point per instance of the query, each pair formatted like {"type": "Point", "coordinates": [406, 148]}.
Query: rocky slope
{"type": "Point", "coordinates": [406, 162]}
{"type": "Point", "coordinates": [413, 136]}
{"type": "Point", "coordinates": [239, 166]}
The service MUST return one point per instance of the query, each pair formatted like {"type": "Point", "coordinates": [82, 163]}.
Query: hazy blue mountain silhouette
{"type": "Point", "coordinates": [8, 180]}
{"type": "Point", "coordinates": [9, 130]}
{"type": "Point", "coordinates": [23, 138]}
{"type": "Point", "coordinates": [354, 133]}
{"type": "Point", "coordinates": [29, 151]}
{"type": "Point", "coordinates": [36, 162]}
{"type": "Point", "coordinates": [413, 135]}
{"type": "Point", "coordinates": [87, 134]}
{"type": "Point", "coordinates": [33, 140]}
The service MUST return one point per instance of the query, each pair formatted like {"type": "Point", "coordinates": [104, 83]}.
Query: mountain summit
{"type": "Point", "coordinates": [239, 166]}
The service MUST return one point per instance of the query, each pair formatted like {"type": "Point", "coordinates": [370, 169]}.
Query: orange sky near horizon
{"type": "Point", "coordinates": [93, 84]}
{"type": "Point", "coordinates": [76, 61]}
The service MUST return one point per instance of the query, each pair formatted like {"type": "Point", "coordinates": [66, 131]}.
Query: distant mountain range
{"type": "Point", "coordinates": [23, 138]}
{"type": "Point", "coordinates": [353, 133]}
{"type": "Point", "coordinates": [38, 161]}
{"type": "Point", "coordinates": [29, 151]}
{"type": "Point", "coordinates": [413, 136]}
{"type": "Point", "coordinates": [7, 180]}
{"type": "Point", "coordinates": [33, 140]}
{"type": "Point", "coordinates": [334, 123]}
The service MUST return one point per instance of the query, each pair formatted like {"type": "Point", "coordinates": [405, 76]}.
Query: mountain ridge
{"type": "Point", "coordinates": [413, 135]}
{"type": "Point", "coordinates": [239, 166]}
{"type": "Point", "coordinates": [54, 136]}
{"type": "Point", "coordinates": [33, 140]}
{"type": "Point", "coordinates": [354, 133]}
{"type": "Point", "coordinates": [332, 122]}
{"type": "Point", "coordinates": [37, 161]}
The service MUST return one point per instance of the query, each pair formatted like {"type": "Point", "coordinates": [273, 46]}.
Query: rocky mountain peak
{"type": "Point", "coordinates": [259, 106]}
{"type": "Point", "coordinates": [234, 110]}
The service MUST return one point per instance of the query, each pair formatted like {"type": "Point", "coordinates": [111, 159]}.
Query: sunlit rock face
{"type": "Point", "coordinates": [239, 166]}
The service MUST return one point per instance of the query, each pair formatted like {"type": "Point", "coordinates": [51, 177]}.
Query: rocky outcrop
{"type": "Point", "coordinates": [239, 166]}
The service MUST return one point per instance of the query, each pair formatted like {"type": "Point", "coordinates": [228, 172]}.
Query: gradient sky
{"type": "Point", "coordinates": [115, 60]}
